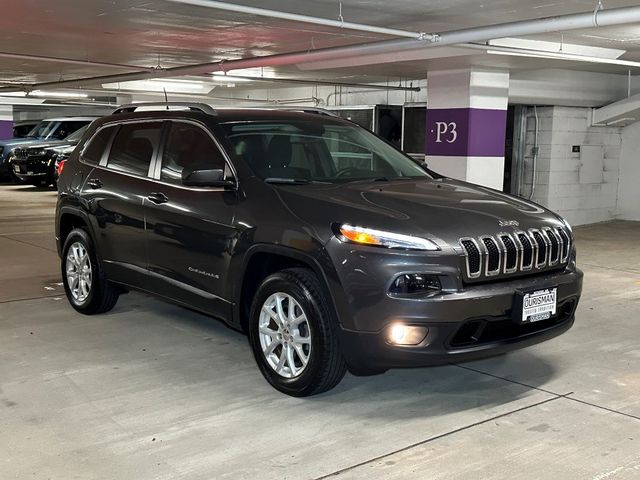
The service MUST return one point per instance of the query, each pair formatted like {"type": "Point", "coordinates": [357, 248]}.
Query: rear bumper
{"type": "Point", "coordinates": [475, 323]}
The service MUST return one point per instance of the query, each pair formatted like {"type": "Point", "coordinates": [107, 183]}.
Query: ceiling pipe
{"type": "Point", "coordinates": [615, 16]}
{"type": "Point", "coordinates": [322, 83]}
{"type": "Point", "coordinates": [207, 98]}
{"type": "Point", "coordinates": [70, 61]}
{"type": "Point", "coordinates": [340, 23]}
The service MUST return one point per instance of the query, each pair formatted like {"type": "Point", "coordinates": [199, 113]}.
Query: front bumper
{"type": "Point", "coordinates": [465, 321]}
{"type": "Point", "coordinates": [368, 352]}
{"type": "Point", "coordinates": [32, 168]}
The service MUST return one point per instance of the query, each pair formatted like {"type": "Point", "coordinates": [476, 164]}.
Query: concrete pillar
{"type": "Point", "coordinates": [466, 124]}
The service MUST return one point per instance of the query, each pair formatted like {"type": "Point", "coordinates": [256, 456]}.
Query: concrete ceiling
{"type": "Point", "coordinates": [149, 33]}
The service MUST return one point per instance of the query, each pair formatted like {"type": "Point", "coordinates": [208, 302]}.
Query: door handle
{"type": "Point", "coordinates": [94, 183]}
{"type": "Point", "coordinates": [158, 198]}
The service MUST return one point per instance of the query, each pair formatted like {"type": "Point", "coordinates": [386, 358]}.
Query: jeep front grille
{"type": "Point", "coordinates": [473, 257]}
{"type": "Point", "coordinates": [512, 253]}
{"type": "Point", "coordinates": [20, 153]}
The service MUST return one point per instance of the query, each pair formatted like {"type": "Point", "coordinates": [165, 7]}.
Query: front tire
{"type": "Point", "coordinates": [293, 334]}
{"type": "Point", "coordinates": [88, 291]}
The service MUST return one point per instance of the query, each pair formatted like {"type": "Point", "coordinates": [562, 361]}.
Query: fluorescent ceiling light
{"type": "Point", "coordinates": [45, 94]}
{"type": "Point", "coordinates": [229, 79]}
{"type": "Point", "coordinates": [56, 94]}
{"type": "Point", "coordinates": [249, 72]}
{"type": "Point", "coordinates": [557, 47]}
{"type": "Point", "coordinates": [158, 85]}
{"type": "Point", "coordinates": [562, 56]}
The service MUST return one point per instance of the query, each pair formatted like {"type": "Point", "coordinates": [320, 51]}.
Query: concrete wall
{"type": "Point", "coordinates": [582, 189]}
{"type": "Point", "coordinates": [328, 96]}
{"type": "Point", "coordinates": [28, 112]}
{"type": "Point", "coordinates": [568, 87]}
{"type": "Point", "coordinates": [629, 188]}
{"type": "Point", "coordinates": [528, 87]}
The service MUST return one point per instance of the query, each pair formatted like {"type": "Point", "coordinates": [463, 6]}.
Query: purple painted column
{"type": "Point", "coordinates": [6, 129]}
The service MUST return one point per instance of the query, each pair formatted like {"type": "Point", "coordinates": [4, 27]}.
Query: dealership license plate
{"type": "Point", "coordinates": [16, 168]}
{"type": "Point", "coordinates": [538, 305]}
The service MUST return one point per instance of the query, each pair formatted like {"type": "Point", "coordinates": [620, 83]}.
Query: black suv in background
{"type": "Point", "coordinates": [328, 246]}
{"type": "Point", "coordinates": [48, 130]}
{"type": "Point", "coordinates": [38, 163]}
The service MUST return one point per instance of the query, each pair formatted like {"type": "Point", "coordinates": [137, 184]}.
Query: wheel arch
{"type": "Point", "coordinates": [69, 219]}
{"type": "Point", "coordinates": [260, 261]}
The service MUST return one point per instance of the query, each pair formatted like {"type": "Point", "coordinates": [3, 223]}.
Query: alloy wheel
{"type": "Point", "coordinates": [79, 274]}
{"type": "Point", "coordinates": [285, 336]}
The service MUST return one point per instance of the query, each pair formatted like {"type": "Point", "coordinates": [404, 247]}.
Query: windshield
{"type": "Point", "coordinates": [43, 129]}
{"type": "Point", "coordinates": [319, 150]}
{"type": "Point", "coordinates": [77, 135]}
{"type": "Point", "coordinates": [57, 129]}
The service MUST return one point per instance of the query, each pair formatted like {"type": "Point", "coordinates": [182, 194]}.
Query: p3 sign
{"type": "Point", "coordinates": [459, 132]}
{"type": "Point", "coordinates": [446, 131]}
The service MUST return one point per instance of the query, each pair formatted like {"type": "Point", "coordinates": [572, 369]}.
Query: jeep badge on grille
{"type": "Point", "coordinates": [508, 223]}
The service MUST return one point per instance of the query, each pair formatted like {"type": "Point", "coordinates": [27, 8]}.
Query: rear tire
{"type": "Point", "coordinates": [87, 289]}
{"type": "Point", "coordinates": [290, 311]}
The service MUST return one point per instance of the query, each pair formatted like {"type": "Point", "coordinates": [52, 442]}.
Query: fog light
{"type": "Point", "coordinates": [400, 334]}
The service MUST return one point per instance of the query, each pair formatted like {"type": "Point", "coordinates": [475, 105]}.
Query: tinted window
{"type": "Point", "coordinates": [93, 151]}
{"type": "Point", "coordinates": [189, 147]}
{"type": "Point", "coordinates": [133, 147]}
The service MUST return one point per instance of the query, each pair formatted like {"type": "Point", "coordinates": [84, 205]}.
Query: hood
{"type": "Point", "coordinates": [41, 144]}
{"type": "Point", "coordinates": [443, 210]}
{"type": "Point", "coordinates": [14, 142]}
{"type": "Point", "coordinates": [10, 145]}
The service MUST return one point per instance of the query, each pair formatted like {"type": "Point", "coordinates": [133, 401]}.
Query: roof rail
{"type": "Point", "coordinates": [318, 110]}
{"type": "Point", "coordinates": [289, 108]}
{"type": "Point", "coordinates": [198, 107]}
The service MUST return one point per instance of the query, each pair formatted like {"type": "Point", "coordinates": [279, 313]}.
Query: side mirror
{"type": "Point", "coordinates": [205, 178]}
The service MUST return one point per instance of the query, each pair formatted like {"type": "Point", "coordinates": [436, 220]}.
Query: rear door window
{"type": "Point", "coordinates": [133, 147]}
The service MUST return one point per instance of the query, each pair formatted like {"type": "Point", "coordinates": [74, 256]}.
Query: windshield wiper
{"type": "Point", "coordinates": [378, 179]}
{"type": "Point", "coordinates": [291, 181]}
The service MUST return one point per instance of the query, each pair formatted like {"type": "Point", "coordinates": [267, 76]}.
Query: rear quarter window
{"type": "Point", "coordinates": [96, 145]}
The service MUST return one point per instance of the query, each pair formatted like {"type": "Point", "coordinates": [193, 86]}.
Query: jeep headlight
{"type": "Point", "coordinates": [379, 238]}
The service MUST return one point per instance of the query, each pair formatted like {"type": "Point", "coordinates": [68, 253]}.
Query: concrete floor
{"type": "Point", "coordinates": [153, 391]}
